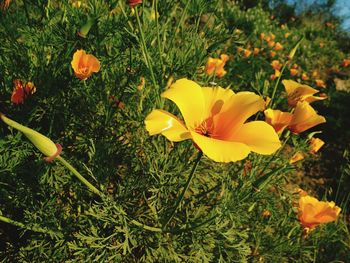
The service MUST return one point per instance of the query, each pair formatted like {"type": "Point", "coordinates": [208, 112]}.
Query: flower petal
{"type": "Point", "coordinates": [236, 111]}
{"type": "Point", "coordinates": [220, 151]}
{"type": "Point", "coordinates": [188, 97]}
{"type": "Point", "coordinates": [215, 98]}
{"type": "Point", "coordinates": [93, 63]}
{"type": "Point", "coordinates": [259, 136]}
{"type": "Point", "coordinates": [159, 121]}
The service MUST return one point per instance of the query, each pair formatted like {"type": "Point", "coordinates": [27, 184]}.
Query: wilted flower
{"type": "Point", "coordinates": [278, 46]}
{"type": "Point", "coordinates": [21, 91]}
{"type": "Point", "coordinates": [313, 212]}
{"type": "Point", "coordinates": [315, 144]}
{"type": "Point", "coordinates": [298, 92]}
{"type": "Point", "coordinates": [216, 65]}
{"type": "Point", "coordinates": [279, 120]}
{"type": "Point", "coordinates": [41, 142]}
{"type": "Point", "coordinates": [133, 3]}
{"type": "Point", "coordinates": [216, 120]}
{"type": "Point", "coordinates": [298, 156]}
{"type": "Point", "coordinates": [320, 83]}
{"type": "Point", "coordinates": [84, 64]}
{"type": "Point", "coordinates": [304, 118]}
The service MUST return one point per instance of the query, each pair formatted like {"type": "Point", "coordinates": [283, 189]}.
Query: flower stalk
{"type": "Point", "coordinates": [182, 195]}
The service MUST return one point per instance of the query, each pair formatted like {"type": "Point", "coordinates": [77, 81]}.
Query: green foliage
{"type": "Point", "coordinates": [238, 212]}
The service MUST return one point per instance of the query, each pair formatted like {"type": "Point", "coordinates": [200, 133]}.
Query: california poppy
{"type": "Point", "coordinates": [315, 144]}
{"type": "Point", "coordinates": [313, 212]}
{"type": "Point", "coordinates": [216, 120]}
{"type": "Point", "coordinates": [22, 91]}
{"type": "Point", "coordinates": [298, 92]}
{"type": "Point", "coordinates": [279, 120]}
{"type": "Point", "coordinates": [216, 65]}
{"type": "Point", "coordinates": [84, 64]}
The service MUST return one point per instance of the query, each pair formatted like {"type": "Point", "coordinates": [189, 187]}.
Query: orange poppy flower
{"type": "Point", "coordinates": [278, 46]}
{"type": "Point", "coordinates": [216, 65]}
{"type": "Point", "coordinates": [345, 63]}
{"type": "Point", "coordinates": [304, 118]}
{"type": "Point", "coordinates": [293, 72]}
{"type": "Point", "coordinates": [298, 156]}
{"type": "Point", "coordinates": [320, 83]}
{"type": "Point", "coordinates": [271, 44]}
{"type": "Point", "coordinates": [286, 35]}
{"type": "Point", "coordinates": [313, 212]}
{"type": "Point", "coordinates": [304, 76]}
{"type": "Point", "coordinates": [256, 51]}
{"type": "Point", "coordinates": [315, 145]}
{"type": "Point", "coordinates": [272, 54]}
{"type": "Point", "coordinates": [275, 75]}
{"type": "Point", "coordinates": [262, 36]}
{"type": "Point", "coordinates": [246, 53]}
{"type": "Point", "coordinates": [279, 120]}
{"type": "Point", "coordinates": [216, 120]}
{"type": "Point", "coordinates": [298, 92]}
{"type": "Point", "coordinates": [133, 3]}
{"type": "Point", "coordinates": [21, 92]}
{"type": "Point", "coordinates": [276, 65]}
{"type": "Point", "coordinates": [84, 64]}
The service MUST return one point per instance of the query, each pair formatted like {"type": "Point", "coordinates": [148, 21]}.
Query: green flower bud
{"type": "Point", "coordinates": [41, 142]}
{"type": "Point", "coordinates": [84, 30]}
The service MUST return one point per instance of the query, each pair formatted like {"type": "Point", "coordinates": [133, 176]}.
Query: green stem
{"type": "Point", "coordinates": [158, 35]}
{"type": "Point", "coordinates": [276, 84]}
{"type": "Point", "coordinates": [181, 197]}
{"type": "Point", "coordinates": [35, 229]}
{"type": "Point", "coordinates": [149, 228]}
{"type": "Point", "coordinates": [79, 176]}
{"type": "Point", "coordinates": [144, 48]}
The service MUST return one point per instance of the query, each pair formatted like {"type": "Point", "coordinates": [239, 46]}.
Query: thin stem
{"type": "Point", "coordinates": [144, 49]}
{"type": "Point", "coordinates": [158, 35]}
{"type": "Point", "coordinates": [35, 228]}
{"type": "Point", "coordinates": [276, 84]}
{"type": "Point", "coordinates": [181, 197]}
{"type": "Point", "coordinates": [146, 227]}
{"type": "Point", "coordinates": [79, 176]}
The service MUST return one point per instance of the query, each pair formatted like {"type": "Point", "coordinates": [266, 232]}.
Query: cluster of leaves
{"type": "Point", "coordinates": [99, 123]}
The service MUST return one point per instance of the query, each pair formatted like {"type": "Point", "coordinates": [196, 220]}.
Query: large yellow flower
{"type": "Point", "coordinates": [298, 92]}
{"type": "Point", "coordinates": [216, 120]}
{"type": "Point", "coordinates": [313, 212]}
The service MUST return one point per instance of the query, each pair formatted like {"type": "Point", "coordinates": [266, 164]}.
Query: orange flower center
{"type": "Point", "coordinates": [206, 128]}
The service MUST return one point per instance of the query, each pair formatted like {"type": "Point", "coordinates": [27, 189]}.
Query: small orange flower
{"type": "Point", "coordinates": [271, 44]}
{"type": "Point", "coordinates": [21, 92]}
{"type": "Point", "coordinates": [345, 63]}
{"type": "Point", "coordinates": [293, 72]}
{"type": "Point", "coordinates": [298, 156]}
{"type": "Point", "coordinates": [262, 36]}
{"type": "Point", "coordinates": [279, 120]}
{"type": "Point", "coordinates": [313, 212]}
{"type": "Point", "coordinates": [298, 92]}
{"type": "Point", "coordinates": [266, 213]}
{"type": "Point", "coordinates": [286, 35]}
{"type": "Point", "coordinates": [256, 51]}
{"type": "Point", "coordinates": [142, 84]}
{"type": "Point", "coordinates": [321, 45]}
{"type": "Point", "coordinates": [246, 53]}
{"type": "Point", "coordinates": [272, 36]}
{"type": "Point", "coordinates": [315, 74]}
{"type": "Point", "coordinates": [304, 76]}
{"type": "Point", "coordinates": [315, 145]}
{"type": "Point", "coordinates": [272, 54]}
{"type": "Point", "coordinates": [278, 46]}
{"type": "Point", "coordinates": [276, 65]}
{"type": "Point", "coordinates": [216, 65]}
{"type": "Point", "coordinates": [276, 75]}
{"type": "Point", "coordinates": [320, 83]}
{"type": "Point", "coordinates": [84, 64]}
{"type": "Point", "coordinates": [5, 4]}
{"type": "Point", "coordinates": [295, 66]}
{"type": "Point", "coordinates": [304, 118]}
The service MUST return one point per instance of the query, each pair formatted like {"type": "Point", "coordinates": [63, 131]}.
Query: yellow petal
{"type": "Point", "coordinates": [236, 111]}
{"type": "Point", "coordinates": [188, 97]}
{"type": "Point", "coordinates": [220, 151]}
{"type": "Point", "coordinates": [76, 59]}
{"type": "Point", "coordinates": [297, 92]}
{"type": "Point", "coordinates": [93, 63]}
{"type": "Point", "coordinates": [304, 117]}
{"type": "Point", "coordinates": [159, 121]}
{"type": "Point", "coordinates": [214, 99]}
{"type": "Point", "coordinates": [259, 136]}
{"type": "Point", "coordinates": [279, 120]}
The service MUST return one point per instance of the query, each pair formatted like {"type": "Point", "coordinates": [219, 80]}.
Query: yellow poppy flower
{"type": "Point", "coordinates": [279, 120]}
{"type": "Point", "coordinates": [298, 92]}
{"type": "Point", "coordinates": [216, 120]}
{"type": "Point", "coordinates": [216, 65]}
{"type": "Point", "coordinates": [313, 212]}
{"type": "Point", "coordinates": [298, 156]}
{"type": "Point", "coordinates": [316, 144]}
{"type": "Point", "coordinates": [304, 118]}
{"type": "Point", "coordinates": [84, 64]}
